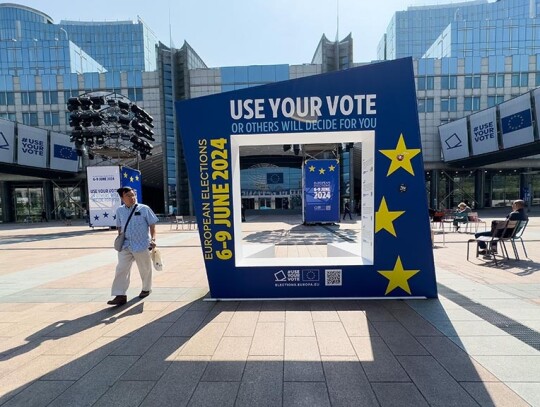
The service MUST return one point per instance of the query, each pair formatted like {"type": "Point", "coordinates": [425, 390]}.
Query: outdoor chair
{"type": "Point", "coordinates": [475, 220]}
{"type": "Point", "coordinates": [520, 228]}
{"type": "Point", "coordinates": [177, 220]}
{"type": "Point", "coordinates": [501, 231]}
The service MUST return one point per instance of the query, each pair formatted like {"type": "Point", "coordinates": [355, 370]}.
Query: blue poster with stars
{"type": "Point", "coordinates": [387, 253]}
{"type": "Point", "coordinates": [103, 200]}
{"type": "Point", "coordinates": [321, 191]}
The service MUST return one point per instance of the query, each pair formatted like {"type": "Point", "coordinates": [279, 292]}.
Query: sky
{"type": "Point", "coordinates": [245, 32]}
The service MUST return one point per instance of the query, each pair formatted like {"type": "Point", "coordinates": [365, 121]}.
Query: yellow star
{"type": "Point", "coordinates": [321, 171]}
{"type": "Point", "coordinates": [311, 169]}
{"type": "Point", "coordinates": [331, 168]}
{"type": "Point", "coordinates": [130, 179]}
{"type": "Point", "coordinates": [401, 157]}
{"type": "Point", "coordinates": [125, 174]}
{"type": "Point", "coordinates": [398, 277]}
{"type": "Point", "coordinates": [384, 219]}
{"type": "Point", "coordinates": [136, 177]}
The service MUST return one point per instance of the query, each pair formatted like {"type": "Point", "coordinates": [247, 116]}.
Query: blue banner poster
{"type": "Point", "coordinates": [321, 191]}
{"type": "Point", "coordinates": [130, 177]}
{"type": "Point", "coordinates": [373, 106]}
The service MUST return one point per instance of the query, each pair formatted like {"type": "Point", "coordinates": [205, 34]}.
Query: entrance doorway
{"type": "Point", "coordinates": [28, 204]}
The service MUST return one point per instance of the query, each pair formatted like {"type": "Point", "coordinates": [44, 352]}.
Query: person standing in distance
{"type": "Point", "coordinates": [140, 238]}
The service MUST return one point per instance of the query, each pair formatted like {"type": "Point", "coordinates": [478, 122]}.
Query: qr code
{"type": "Point", "coordinates": [332, 277]}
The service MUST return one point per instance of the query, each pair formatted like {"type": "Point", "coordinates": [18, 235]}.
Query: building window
{"type": "Point", "coordinates": [135, 94]}
{"type": "Point", "coordinates": [30, 119]}
{"type": "Point", "coordinates": [449, 82]}
{"type": "Point", "coordinates": [425, 82]}
{"type": "Point", "coordinates": [496, 80]}
{"type": "Point", "coordinates": [472, 82]}
{"type": "Point", "coordinates": [494, 100]}
{"type": "Point", "coordinates": [472, 103]}
{"type": "Point", "coordinates": [50, 97]}
{"type": "Point", "coordinates": [425, 105]}
{"type": "Point", "coordinates": [7, 98]}
{"type": "Point", "coordinates": [449, 105]}
{"type": "Point", "coordinates": [70, 94]}
{"type": "Point", "coordinates": [28, 98]}
{"type": "Point", "coordinates": [8, 116]}
{"type": "Point", "coordinates": [52, 118]}
{"type": "Point", "coordinates": [520, 79]}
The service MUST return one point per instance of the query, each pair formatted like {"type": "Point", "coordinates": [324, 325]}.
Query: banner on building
{"type": "Point", "coordinates": [7, 141]}
{"type": "Point", "coordinates": [373, 105]}
{"type": "Point", "coordinates": [32, 146]}
{"type": "Point", "coordinates": [454, 140]}
{"type": "Point", "coordinates": [103, 183]}
{"type": "Point", "coordinates": [63, 155]}
{"type": "Point", "coordinates": [484, 131]}
{"type": "Point", "coordinates": [321, 191]}
{"type": "Point", "coordinates": [516, 121]}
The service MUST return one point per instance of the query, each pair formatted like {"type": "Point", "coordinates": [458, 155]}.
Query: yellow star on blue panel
{"type": "Point", "coordinates": [398, 277]}
{"type": "Point", "coordinates": [401, 156]}
{"type": "Point", "coordinates": [384, 219]}
{"type": "Point", "coordinates": [125, 175]}
{"type": "Point", "coordinates": [130, 179]}
{"type": "Point", "coordinates": [136, 177]}
{"type": "Point", "coordinates": [321, 171]}
{"type": "Point", "coordinates": [331, 168]}
{"type": "Point", "coordinates": [311, 168]}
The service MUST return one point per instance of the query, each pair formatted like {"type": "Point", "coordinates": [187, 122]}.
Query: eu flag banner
{"type": "Point", "coordinates": [65, 152]}
{"type": "Point", "coordinates": [516, 121]}
{"type": "Point", "coordinates": [321, 191]}
{"type": "Point", "coordinates": [131, 178]}
{"type": "Point", "coordinates": [274, 178]}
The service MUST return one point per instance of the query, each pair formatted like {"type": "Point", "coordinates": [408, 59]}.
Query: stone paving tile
{"type": "Point", "coordinates": [88, 390]}
{"type": "Point", "coordinates": [156, 360]}
{"type": "Point", "coordinates": [435, 384]}
{"type": "Point", "coordinates": [398, 339]}
{"type": "Point", "coordinates": [205, 341]}
{"type": "Point", "coordinates": [530, 392]}
{"type": "Point", "coordinates": [214, 394]}
{"type": "Point", "coordinates": [398, 395]}
{"type": "Point", "coordinates": [187, 324]}
{"type": "Point", "coordinates": [333, 340]}
{"type": "Point", "coordinates": [495, 394]}
{"type": "Point", "coordinates": [347, 383]}
{"type": "Point", "coordinates": [229, 360]}
{"type": "Point", "coordinates": [262, 382]}
{"type": "Point", "coordinates": [177, 385]}
{"type": "Point", "coordinates": [304, 394]}
{"type": "Point", "coordinates": [38, 394]}
{"type": "Point", "coordinates": [512, 368]}
{"type": "Point", "coordinates": [457, 362]}
{"type": "Point", "coordinates": [243, 323]}
{"type": "Point", "coordinates": [302, 360]}
{"type": "Point", "coordinates": [356, 323]}
{"type": "Point", "coordinates": [268, 339]}
{"type": "Point", "coordinates": [298, 323]}
{"type": "Point", "coordinates": [125, 393]}
{"type": "Point", "coordinates": [414, 323]}
{"type": "Point", "coordinates": [379, 364]}
{"type": "Point", "coordinates": [493, 345]}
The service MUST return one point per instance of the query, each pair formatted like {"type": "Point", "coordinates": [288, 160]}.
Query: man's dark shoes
{"type": "Point", "coordinates": [144, 294]}
{"type": "Point", "coordinates": [118, 300]}
{"type": "Point", "coordinates": [483, 251]}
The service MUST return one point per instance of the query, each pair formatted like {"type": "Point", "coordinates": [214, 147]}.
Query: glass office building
{"type": "Point", "coordinates": [42, 65]}
{"type": "Point", "coordinates": [469, 57]}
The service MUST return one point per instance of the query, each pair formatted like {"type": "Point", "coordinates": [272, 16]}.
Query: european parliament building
{"type": "Point", "coordinates": [467, 57]}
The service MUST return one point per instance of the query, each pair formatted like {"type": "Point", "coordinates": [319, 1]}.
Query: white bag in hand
{"type": "Point", "coordinates": [157, 261]}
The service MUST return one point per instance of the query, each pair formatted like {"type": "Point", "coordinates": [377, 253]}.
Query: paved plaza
{"type": "Point", "coordinates": [478, 344]}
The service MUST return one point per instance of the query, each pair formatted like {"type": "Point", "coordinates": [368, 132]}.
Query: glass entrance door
{"type": "Point", "coordinates": [28, 204]}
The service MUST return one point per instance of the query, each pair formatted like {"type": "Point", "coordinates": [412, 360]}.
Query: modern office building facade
{"type": "Point", "coordinates": [469, 57]}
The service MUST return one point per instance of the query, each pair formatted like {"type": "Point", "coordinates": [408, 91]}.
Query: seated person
{"type": "Point", "coordinates": [518, 213]}
{"type": "Point", "coordinates": [462, 215]}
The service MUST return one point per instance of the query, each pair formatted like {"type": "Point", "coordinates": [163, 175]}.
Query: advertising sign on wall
{"type": "Point", "coordinates": [63, 155]}
{"type": "Point", "coordinates": [7, 141]}
{"type": "Point", "coordinates": [484, 131]}
{"type": "Point", "coordinates": [32, 146]}
{"type": "Point", "coordinates": [103, 198]}
{"type": "Point", "coordinates": [516, 121]}
{"type": "Point", "coordinates": [454, 140]}
{"type": "Point", "coordinates": [374, 105]}
{"type": "Point", "coordinates": [321, 191]}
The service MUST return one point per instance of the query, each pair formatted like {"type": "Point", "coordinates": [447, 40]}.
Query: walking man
{"type": "Point", "coordinates": [140, 238]}
{"type": "Point", "coordinates": [347, 210]}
